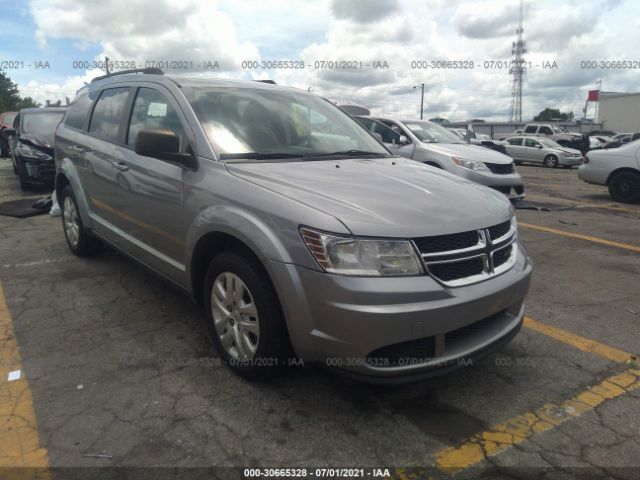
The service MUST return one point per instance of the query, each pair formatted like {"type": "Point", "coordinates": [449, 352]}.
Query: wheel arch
{"type": "Point", "coordinates": [622, 170]}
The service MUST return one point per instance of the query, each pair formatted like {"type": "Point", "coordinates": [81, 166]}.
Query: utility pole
{"type": "Point", "coordinates": [106, 64]}
{"type": "Point", "coordinates": [517, 69]}
{"type": "Point", "coordinates": [421, 99]}
{"type": "Point", "coordinates": [599, 83]}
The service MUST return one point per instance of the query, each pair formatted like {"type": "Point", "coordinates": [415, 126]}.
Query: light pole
{"type": "Point", "coordinates": [421, 98]}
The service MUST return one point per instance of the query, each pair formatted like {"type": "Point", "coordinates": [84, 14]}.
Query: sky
{"type": "Point", "coordinates": [48, 46]}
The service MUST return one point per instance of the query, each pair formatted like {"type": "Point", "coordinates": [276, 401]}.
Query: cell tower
{"type": "Point", "coordinates": [517, 70]}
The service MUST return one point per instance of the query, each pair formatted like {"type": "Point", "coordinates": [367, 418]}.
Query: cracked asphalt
{"type": "Point", "coordinates": [122, 373]}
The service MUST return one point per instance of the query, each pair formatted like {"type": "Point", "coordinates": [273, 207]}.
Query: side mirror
{"type": "Point", "coordinates": [539, 147]}
{"type": "Point", "coordinates": [402, 140]}
{"type": "Point", "coordinates": [163, 145]}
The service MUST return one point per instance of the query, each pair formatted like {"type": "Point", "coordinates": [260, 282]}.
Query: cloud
{"type": "Point", "coordinates": [364, 11]}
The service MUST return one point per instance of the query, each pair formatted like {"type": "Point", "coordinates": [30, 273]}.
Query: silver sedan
{"type": "Point", "coordinates": [542, 150]}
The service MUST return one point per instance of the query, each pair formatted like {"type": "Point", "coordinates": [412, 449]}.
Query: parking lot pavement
{"type": "Point", "coordinates": [117, 368]}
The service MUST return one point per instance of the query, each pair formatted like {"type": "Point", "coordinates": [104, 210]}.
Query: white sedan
{"type": "Point", "coordinates": [618, 168]}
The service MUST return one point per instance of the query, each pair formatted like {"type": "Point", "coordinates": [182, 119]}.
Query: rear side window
{"type": "Point", "coordinates": [79, 110]}
{"type": "Point", "coordinates": [107, 114]}
{"type": "Point", "coordinates": [530, 129]}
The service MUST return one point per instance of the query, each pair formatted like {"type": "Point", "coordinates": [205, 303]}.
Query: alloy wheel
{"type": "Point", "coordinates": [235, 316]}
{"type": "Point", "coordinates": [71, 226]}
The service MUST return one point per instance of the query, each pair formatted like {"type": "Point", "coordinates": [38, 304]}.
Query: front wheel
{"type": "Point", "coordinates": [244, 316]}
{"type": "Point", "coordinates": [80, 242]}
{"type": "Point", "coordinates": [550, 161]}
{"type": "Point", "coordinates": [625, 187]}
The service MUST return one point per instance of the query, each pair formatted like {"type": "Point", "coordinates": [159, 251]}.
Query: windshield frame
{"type": "Point", "coordinates": [293, 119]}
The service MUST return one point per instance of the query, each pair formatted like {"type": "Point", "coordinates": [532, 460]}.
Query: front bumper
{"type": "Point", "coordinates": [354, 323]}
{"type": "Point", "coordinates": [590, 174]}
{"type": "Point", "coordinates": [37, 172]}
{"type": "Point", "coordinates": [510, 184]}
{"type": "Point", "coordinates": [570, 161]}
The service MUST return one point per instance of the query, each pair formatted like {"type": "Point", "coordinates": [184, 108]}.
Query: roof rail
{"type": "Point", "coordinates": [266, 81]}
{"type": "Point", "coordinates": [151, 71]}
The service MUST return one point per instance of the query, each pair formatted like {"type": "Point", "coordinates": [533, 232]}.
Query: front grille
{"type": "Point", "coordinates": [443, 243]}
{"type": "Point", "coordinates": [468, 257]}
{"type": "Point", "coordinates": [403, 354]}
{"type": "Point", "coordinates": [500, 230]}
{"type": "Point", "coordinates": [455, 270]}
{"type": "Point", "coordinates": [500, 257]}
{"type": "Point", "coordinates": [500, 168]}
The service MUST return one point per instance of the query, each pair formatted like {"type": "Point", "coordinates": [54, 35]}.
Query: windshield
{"type": "Point", "coordinates": [8, 118]}
{"type": "Point", "coordinates": [429, 132]}
{"type": "Point", "coordinates": [40, 122]}
{"type": "Point", "coordinates": [547, 142]}
{"type": "Point", "coordinates": [273, 124]}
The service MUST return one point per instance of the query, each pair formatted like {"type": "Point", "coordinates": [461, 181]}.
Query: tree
{"type": "Point", "coordinates": [550, 114]}
{"type": "Point", "coordinates": [10, 96]}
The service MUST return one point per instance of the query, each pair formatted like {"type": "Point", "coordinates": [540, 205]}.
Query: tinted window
{"type": "Point", "coordinates": [546, 130]}
{"type": "Point", "coordinates": [530, 129]}
{"type": "Point", "coordinates": [515, 141]}
{"type": "Point", "coordinates": [388, 135]}
{"type": "Point", "coordinates": [79, 110]}
{"type": "Point", "coordinates": [107, 114]}
{"type": "Point", "coordinates": [152, 110]}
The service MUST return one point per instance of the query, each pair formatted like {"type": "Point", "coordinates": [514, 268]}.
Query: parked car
{"type": "Point", "coordinates": [6, 121]}
{"type": "Point", "coordinates": [542, 150]}
{"type": "Point", "coordinates": [602, 133]}
{"type": "Point", "coordinates": [548, 130]}
{"type": "Point", "coordinates": [618, 169]}
{"type": "Point", "coordinates": [480, 139]}
{"type": "Point", "coordinates": [293, 227]}
{"type": "Point", "coordinates": [32, 145]}
{"type": "Point", "coordinates": [621, 139]}
{"type": "Point", "coordinates": [434, 145]}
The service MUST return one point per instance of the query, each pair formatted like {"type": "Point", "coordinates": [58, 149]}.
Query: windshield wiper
{"type": "Point", "coordinates": [347, 153]}
{"type": "Point", "coordinates": [258, 156]}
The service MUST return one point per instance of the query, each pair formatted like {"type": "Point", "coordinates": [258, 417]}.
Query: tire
{"type": "Point", "coordinates": [262, 350]}
{"type": "Point", "coordinates": [80, 242]}
{"type": "Point", "coordinates": [550, 161]}
{"type": "Point", "coordinates": [625, 187]}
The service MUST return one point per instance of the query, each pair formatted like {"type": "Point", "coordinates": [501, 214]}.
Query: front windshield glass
{"type": "Point", "coordinates": [257, 122]}
{"type": "Point", "coordinates": [8, 118]}
{"type": "Point", "coordinates": [40, 122]}
{"type": "Point", "coordinates": [429, 132]}
{"type": "Point", "coordinates": [547, 142]}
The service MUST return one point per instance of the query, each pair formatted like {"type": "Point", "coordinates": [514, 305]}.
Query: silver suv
{"type": "Point", "coordinates": [298, 233]}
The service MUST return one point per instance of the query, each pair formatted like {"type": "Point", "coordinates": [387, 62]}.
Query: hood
{"type": "Point", "coordinates": [44, 141]}
{"type": "Point", "coordinates": [468, 152]}
{"type": "Point", "coordinates": [385, 197]}
{"type": "Point", "coordinates": [568, 150]}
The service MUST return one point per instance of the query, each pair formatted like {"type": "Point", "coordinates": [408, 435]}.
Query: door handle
{"type": "Point", "coordinates": [123, 167]}
{"type": "Point", "coordinates": [78, 148]}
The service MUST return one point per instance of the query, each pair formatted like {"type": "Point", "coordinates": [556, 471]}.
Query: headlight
{"type": "Point", "coordinates": [470, 164]}
{"type": "Point", "coordinates": [28, 151]}
{"type": "Point", "coordinates": [363, 257]}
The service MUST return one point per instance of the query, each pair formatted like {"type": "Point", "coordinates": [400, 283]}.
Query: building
{"type": "Point", "coordinates": [619, 111]}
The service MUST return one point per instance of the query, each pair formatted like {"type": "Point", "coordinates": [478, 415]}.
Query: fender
{"type": "Point", "coordinates": [67, 169]}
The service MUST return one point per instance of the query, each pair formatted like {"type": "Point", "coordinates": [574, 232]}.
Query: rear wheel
{"type": "Point", "coordinates": [80, 242]}
{"type": "Point", "coordinates": [550, 161]}
{"type": "Point", "coordinates": [625, 187]}
{"type": "Point", "coordinates": [244, 315]}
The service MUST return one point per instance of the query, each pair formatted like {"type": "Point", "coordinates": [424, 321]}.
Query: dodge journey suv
{"type": "Point", "coordinates": [299, 234]}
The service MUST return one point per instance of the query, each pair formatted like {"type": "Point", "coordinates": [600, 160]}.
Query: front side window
{"type": "Point", "coordinates": [531, 143]}
{"type": "Point", "coordinates": [152, 110]}
{"type": "Point", "coordinates": [530, 129]}
{"type": "Point", "coordinates": [546, 131]}
{"type": "Point", "coordinates": [429, 132]}
{"type": "Point", "coordinates": [515, 141]}
{"type": "Point", "coordinates": [271, 122]}
{"type": "Point", "coordinates": [40, 122]}
{"type": "Point", "coordinates": [107, 114]}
